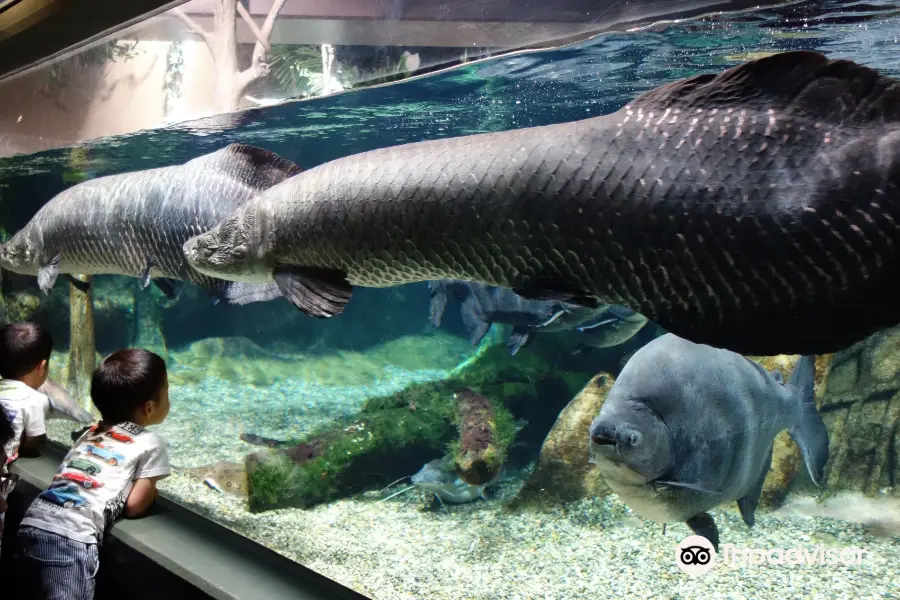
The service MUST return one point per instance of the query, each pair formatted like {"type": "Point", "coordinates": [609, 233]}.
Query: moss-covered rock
{"type": "Point", "coordinates": [394, 434]}
{"type": "Point", "coordinates": [563, 473]}
{"type": "Point", "coordinates": [335, 462]}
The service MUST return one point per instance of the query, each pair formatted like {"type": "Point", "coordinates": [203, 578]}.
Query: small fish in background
{"type": "Point", "coordinates": [880, 516]}
{"type": "Point", "coordinates": [224, 477]}
{"type": "Point", "coordinates": [439, 478]}
{"type": "Point", "coordinates": [687, 427]}
{"type": "Point", "coordinates": [614, 326]}
{"type": "Point", "coordinates": [63, 405]}
{"type": "Point", "coordinates": [483, 305]}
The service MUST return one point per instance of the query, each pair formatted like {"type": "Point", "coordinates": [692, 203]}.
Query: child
{"type": "Point", "coordinates": [24, 364]}
{"type": "Point", "coordinates": [6, 482]}
{"type": "Point", "coordinates": [112, 469]}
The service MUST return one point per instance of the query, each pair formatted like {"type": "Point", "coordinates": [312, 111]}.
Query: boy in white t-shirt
{"type": "Point", "coordinates": [111, 470]}
{"type": "Point", "coordinates": [24, 365]}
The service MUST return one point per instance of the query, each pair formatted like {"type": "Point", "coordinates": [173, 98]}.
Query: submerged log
{"type": "Point", "coordinates": [394, 435]}
{"type": "Point", "coordinates": [148, 322]}
{"type": "Point", "coordinates": [483, 438]}
{"type": "Point", "coordinates": [82, 347]}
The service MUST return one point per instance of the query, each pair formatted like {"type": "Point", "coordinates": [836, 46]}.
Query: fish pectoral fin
{"type": "Point", "coordinates": [517, 340]}
{"type": "Point", "coordinates": [550, 290]}
{"type": "Point", "coordinates": [320, 293]}
{"type": "Point", "coordinates": [241, 293]}
{"type": "Point", "coordinates": [697, 487]}
{"type": "Point", "coordinates": [82, 286]}
{"type": "Point", "coordinates": [704, 525]}
{"type": "Point", "coordinates": [48, 274]}
{"type": "Point", "coordinates": [170, 287]}
{"type": "Point", "coordinates": [145, 275]}
{"type": "Point", "coordinates": [747, 504]}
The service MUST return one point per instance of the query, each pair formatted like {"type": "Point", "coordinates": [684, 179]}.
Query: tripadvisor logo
{"type": "Point", "coordinates": [696, 556]}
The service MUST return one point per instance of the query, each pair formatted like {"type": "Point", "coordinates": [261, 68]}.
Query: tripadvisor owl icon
{"type": "Point", "coordinates": [695, 555]}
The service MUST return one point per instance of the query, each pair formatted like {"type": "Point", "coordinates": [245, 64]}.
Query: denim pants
{"type": "Point", "coordinates": [54, 567]}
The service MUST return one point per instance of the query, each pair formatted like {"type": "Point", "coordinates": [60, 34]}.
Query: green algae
{"type": "Point", "coordinates": [393, 432]}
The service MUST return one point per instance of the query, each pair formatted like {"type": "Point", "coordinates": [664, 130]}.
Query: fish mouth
{"type": "Point", "coordinates": [601, 440]}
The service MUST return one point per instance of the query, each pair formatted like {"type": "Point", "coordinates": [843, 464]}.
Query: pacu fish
{"type": "Point", "coordinates": [136, 223]}
{"type": "Point", "coordinates": [687, 427]}
{"type": "Point", "coordinates": [754, 210]}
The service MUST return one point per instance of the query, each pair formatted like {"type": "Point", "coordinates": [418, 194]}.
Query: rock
{"type": "Point", "coordinates": [563, 473]}
{"type": "Point", "coordinates": [861, 409]}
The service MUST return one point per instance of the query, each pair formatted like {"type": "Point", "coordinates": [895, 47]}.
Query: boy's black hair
{"type": "Point", "coordinates": [22, 348]}
{"type": "Point", "coordinates": [125, 380]}
{"type": "Point", "coordinates": [6, 429]}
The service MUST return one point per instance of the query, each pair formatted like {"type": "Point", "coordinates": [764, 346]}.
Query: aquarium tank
{"type": "Point", "coordinates": [440, 438]}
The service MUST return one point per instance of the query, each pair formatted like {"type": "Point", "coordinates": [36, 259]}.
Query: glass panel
{"type": "Point", "coordinates": [338, 421]}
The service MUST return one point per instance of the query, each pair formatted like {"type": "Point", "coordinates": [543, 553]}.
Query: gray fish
{"type": "Point", "coordinates": [136, 223]}
{"type": "Point", "coordinates": [614, 326]}
{"type": "Point", "coordinates": [483, 305]}
{"type": "Point", "coordinates": [687, 427]}
{"type": "Point", "coordinates": [754, 210]}
{"type": "Point", "coordinates": [441, 480]}
{"type": "Point", "coordinates": [63, 405]}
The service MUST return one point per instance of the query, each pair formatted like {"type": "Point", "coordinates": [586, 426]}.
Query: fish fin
{"type": "Point", "coordinates": [792, 83]}
{"type": "Point", "coordinates": [170, 287]}
{"type": "Point", "coordinates": [319, 293]}
{"type": "Point", "coordinates": [438, 302]}
{"type": "Point", "coordinates": [145, 275]}
{"type": "Point", "coordinates": [257, 168]}
{"type": "Point", "coordinates": [550, 290]}
{"type": "Point", "coordinates": [809, 432]}
{"type": "Point", "coordinates": [697, 487]}
{"type": "Point", "coordinates": [704, 525]}
{"type": "Point", "coordinates": [473, 320]}
{"type": "Point", "coordinates": [247, 293]}
{"type": "Point", "coordinates": [747, 504]}
{"type": "Point", "coordinates": [82, 286]}
{"type": "Point", "coordinates": [48, 274]}
{"type": "Point", "coordinates": [517, 340]}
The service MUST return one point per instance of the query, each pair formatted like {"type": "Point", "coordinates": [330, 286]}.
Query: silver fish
{"type": "Point", "coordinates": [439, 479]}
{"type": "Point", "coordinates": [63, 405]}
{"type": "Point", "coordinates": [687, 427]}
{"type": "Point", "coordinates": [136, 223]}
{"type": "Point", "coordinates": [754, 210]}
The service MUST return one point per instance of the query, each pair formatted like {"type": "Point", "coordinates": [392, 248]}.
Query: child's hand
{"type": "Point", "coordinates": [142, 495]}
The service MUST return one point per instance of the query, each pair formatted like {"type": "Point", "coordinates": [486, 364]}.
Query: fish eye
{"type": "Point", "coordinates": [635, 438]}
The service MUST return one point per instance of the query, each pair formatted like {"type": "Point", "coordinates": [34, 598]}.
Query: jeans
{"type": "Point", "coordinates": [54, 567]}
